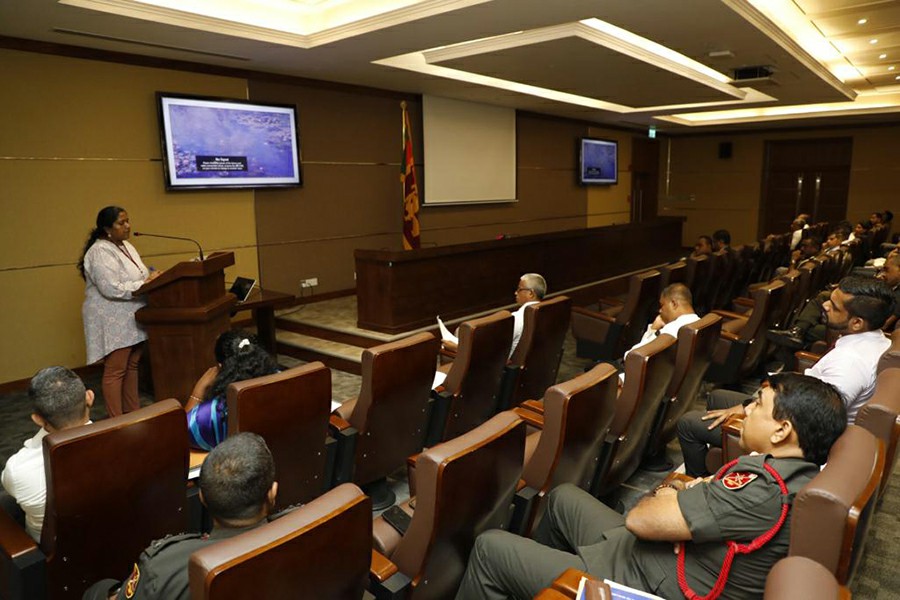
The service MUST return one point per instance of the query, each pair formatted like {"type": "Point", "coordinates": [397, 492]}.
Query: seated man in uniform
{"type": "Point", "coordinates": [59, 401]}
{"type": "Point", "coordinates": [856, 311]}
{"type": "Point", "coordinates": [238, 487]}
{"type": "Point", "coordinates": [792, 424]}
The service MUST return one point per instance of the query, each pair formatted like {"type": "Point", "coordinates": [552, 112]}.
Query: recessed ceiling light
{"type": "Point", "coordinates": [873, 41]}
{"type": "Point", "coordinates": [882, 56]}
{"type": "Point", "coordinates": [891, 68]}
{"type": "Point", "coordinates": [862, 21]}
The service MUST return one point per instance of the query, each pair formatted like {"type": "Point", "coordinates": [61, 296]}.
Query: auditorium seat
{"type": "Point", "coordinates": [830, 516]}
{"type": "Point", "coordinates": [697, 278]}
{"type": "Point", "coordinates": [533, 366]}
{"type": "Point", "coordinates": [320, 550]}
{"type": "Point", "coordinates": [717, 293]}
{"type": "Point", "coordinates": [673, 273]}
{"type": "Point", "coordinates": [799, 578]}
{"type": "Point", "coordinates": [696, 342]}
{"type": "Point", "coordinates": [468, 396]}
{"type": "Point", "coordinates": [568, 582]}
{"type": "Point", "coordinates": [648, 371]}
{"type": "Point", "coordinates": [112, 488]}
{"type": "Point", "coordinates": [389, 417]}
{"type": "Point", "coordinates": [741, 343]}
{"type": "Point", "coordinates": [572, 429]}
{"type": "Point", "coordinates": [891, 357]}
{"type": "Point", "coordinates": [290, 411]}
{"type": "Point", "coordinates": [464, 486]}
{"type": "Point", "coordinates": [881, 417]}
{"type": "Point", "coordinates": [605, 334]}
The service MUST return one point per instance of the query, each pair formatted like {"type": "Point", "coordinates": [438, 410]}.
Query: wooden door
{"type": "Point", "coordinates": [804, 176]}
{"type": "Point", "coordinates": [644, 179]}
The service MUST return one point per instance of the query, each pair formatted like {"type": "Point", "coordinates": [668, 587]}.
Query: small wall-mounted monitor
{"type": "Point", "coordinates": [598, 162]}
{"type": "Point", "coordinates": [221, 143]}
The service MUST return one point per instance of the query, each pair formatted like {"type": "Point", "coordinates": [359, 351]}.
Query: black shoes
{"type": "Point", "coordinates": [789, 338]}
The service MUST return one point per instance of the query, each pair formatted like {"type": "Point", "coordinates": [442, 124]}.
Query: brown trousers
{"type": "Point", "coordinates": [120, 380]}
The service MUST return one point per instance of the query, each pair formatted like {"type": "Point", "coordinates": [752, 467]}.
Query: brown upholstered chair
{"type": "Point", "coordinates": [831, 514]}
{"type": "Point", "coordinates": [465, 486]}
{"type": "Point", "coordinates": [697, 276]}
{"type": "Point", "coordinates": [290, 410]}
{"type": "Point", "coordinates": [730, 447]}
{"type": "Point", "coordinates": [648, 371]}
{"type": "Point", "coordinates": [881, 417]}
{"type": "Point", "coordinates": [673, 273]}
{"type": "Point", "coordinates": [606, 334]}
{"type": "Point", "coordinates": [469, 395]}
{"type": "Point", "coordinates": [320, 550]}
{"type": "Point", "coordinates": [799, 578]}
{"type": "Point", "coordinates": [741, 347]}
{"type": "Point", "coordinates": [891, 358]}
{"type": "Point", "coordinates": [696, 342]}
{"type": "Point", "coordinates": [573, 427]}
{"type": "Point", "coordinates": [99, 519]}
{"type": "Point", "coordinates": [535, 362]}
{"type": "Point", "coordinates": [569, 580]}
{"type": "Point", "coordinates": [389, 417]}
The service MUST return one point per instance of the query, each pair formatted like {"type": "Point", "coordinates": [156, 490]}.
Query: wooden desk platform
{"type": "Point", "coordinates": [263, 304]}
{"type": "Point", "coordinates": [398, 291]}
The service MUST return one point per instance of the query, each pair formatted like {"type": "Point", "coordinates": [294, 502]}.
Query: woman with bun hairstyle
{"type": "Point", "coordinates": [112, 270]}
{"type": "Point", "coordinates": [240, 358]}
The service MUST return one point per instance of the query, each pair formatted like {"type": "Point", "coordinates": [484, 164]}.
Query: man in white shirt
{"type": "Point", "coordinates": [857, 310]}
{"type": "Point", "coordinates": [531, 290]}
{"type": "Point", "coordinates": [675, 310]}
{"type": "Point", "coordinates": [60, 401]}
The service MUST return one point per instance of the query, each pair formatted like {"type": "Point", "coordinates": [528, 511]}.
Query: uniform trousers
{"type": "Point", "coordinates": [120, 380]}
{"type": "Point", "coordinates": [696, 437]}
{"type": "Point", "coordinates": [504, 565]}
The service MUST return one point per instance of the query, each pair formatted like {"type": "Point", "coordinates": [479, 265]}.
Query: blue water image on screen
{"type": "Point", "coordinates": [599, 162]}
{"type": "Point", "coordinates": [261, 140]}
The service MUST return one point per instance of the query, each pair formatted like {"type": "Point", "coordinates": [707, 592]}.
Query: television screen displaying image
{"type": "Point", "coordinates": [598, 162]}
{"type": "Point", "coordinates": [219, 143]}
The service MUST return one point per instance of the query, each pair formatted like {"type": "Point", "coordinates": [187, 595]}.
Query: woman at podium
{"type": "Point", "coordinates": [112, 269]}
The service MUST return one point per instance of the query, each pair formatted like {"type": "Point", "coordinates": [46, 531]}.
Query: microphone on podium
{"type": "Point", "coordinates": [171, 237]}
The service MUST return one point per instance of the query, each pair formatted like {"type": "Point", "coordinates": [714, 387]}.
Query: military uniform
{"type": "Point", "coordinates": [161, 572]}
{"type": "Point", "coordinates": [578, 531]}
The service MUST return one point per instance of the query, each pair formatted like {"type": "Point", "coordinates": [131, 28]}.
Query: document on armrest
{"type": "Point", "coordinates": [623, 592]}
{"type": "Point", "coordinates": [439, 377]}
{"type": "Point", "coordinates": [335, 405]}
{"type": "Point", "coordinates": [445, 333]}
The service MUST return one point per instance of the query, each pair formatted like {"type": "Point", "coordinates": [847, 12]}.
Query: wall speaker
{"type": "Point", "coordinates": [724, 150]}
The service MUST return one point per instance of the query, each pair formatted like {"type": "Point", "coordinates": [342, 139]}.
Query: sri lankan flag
{"type": "Point", "coordinates": [410, 189]}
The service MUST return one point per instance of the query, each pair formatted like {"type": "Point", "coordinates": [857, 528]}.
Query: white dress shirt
{"type": "Point", "coordinates": [23, 479]}
{"type": "Point", "coordinates": [850, 367]}
{"type": "Point", "coordinates": [518, 325]}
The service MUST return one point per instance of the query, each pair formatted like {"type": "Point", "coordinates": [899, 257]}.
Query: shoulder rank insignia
{"type": "Point", "coordinates": [131, 584]}
{"type": "Point", "coordinates": [737, 479]}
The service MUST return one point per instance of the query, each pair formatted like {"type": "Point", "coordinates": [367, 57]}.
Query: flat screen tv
{"type": "Point", "coordinates": [598, 162]}
{"type": "Point", "coordinates": [221, 143]}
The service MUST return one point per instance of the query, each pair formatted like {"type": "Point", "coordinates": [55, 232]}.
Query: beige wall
{"type": "Point", "coordinates": [608, 205]}
{"type": "Point", "coordinates": [78, 135]}
{"type": "Point", "coordinates": [715, 193]}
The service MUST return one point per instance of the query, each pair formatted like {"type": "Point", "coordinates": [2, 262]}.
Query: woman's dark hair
{"type": "Point", "coordinates": [248, 360]}
{"type": "Point", "coordinates": [228, 343]}
{"type": "Point", "coordinates": [105, 218]}
{"type": "Point", "coordinates": [815, 409]}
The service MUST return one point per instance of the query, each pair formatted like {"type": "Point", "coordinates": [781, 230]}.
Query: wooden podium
{"type": "Point", "coordinates": [187, 309]}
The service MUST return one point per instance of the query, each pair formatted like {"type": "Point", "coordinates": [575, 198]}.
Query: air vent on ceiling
{"type": "Point", "coordinates": [110, 38]}
{"type": "Point", "coordinates": [745, 73]}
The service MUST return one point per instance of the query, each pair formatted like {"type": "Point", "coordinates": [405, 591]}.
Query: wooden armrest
{"type": "Point", "coordinates": [411, 460]}
{"type": "Point", "coordinates": [593, 315]}
{"type": "Point", "coordinates": [734, 424]}
{"type": "Point", "coordinates": [568, 581]}
{"type": "Point", "coordinates": [534, 406]}
{"type": "Point", "coordinates": [741, 301]}
{"type": "Point", "coordinates": [729, 314]}
{"type": "Point", "coordinates": [382, 568]}
{"type": "Point", "coordinates": [611, 302]}
{"type": "Point", "coordinates": [22, 563]}
{"type": "Point", "coordinates": [804, 355]}
{"type": "Point", "coordinates": [676, 476]}
{"type": "Point", "coordinates": [730, 336]}
{"type": "Point", "coordinates": [550, 594]}
{"type": "Point", "coordinates": [338, 423]}
{"type": "Point", "coordinates": [530, 417]}
{"type": "Point", "coordinates": [448, 351]}
{"type": "Point", "coordinates": [196, 458]}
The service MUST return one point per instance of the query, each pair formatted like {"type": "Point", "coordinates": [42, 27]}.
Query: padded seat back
{"type": "Point", "coordinates": [891, 358]}
{"type": "Point", "coordinates": [540, 347]}
{"type": "Point", "coordinates": [696, 342]}
{"type": "Point", "coordinates": [881, 417]}
{"type": "Point", "coordinates": [474, 377]}
{"type": "Point", "coordinates": [320, 550]}
{"type": "Point", "coordinates": [799, 578]}
{"type": "Point", "coordinates": [392, 410]}
{"type": "Point", "coordinates": [640, 307]}
{"type": "Point", "coordinates": [766, 302]}
{"type": "Point", "coordinates": [290, 411]}
{"type": "Point", "coordinates": [464, 487]}
{"type": "Point", "coordinates": [112, 488]}
{"type": "Point", "coordinates": [698, 280]}
{"type": "Point", "coordinates": [831, 514]}
{"type": "Point", "coordinates": [648, 371]}
{"type": "Point", "coordinates": [673, 273]}
{"type": "Point", "coordinates": [577, 416]}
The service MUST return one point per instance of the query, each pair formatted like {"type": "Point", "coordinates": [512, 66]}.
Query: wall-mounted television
{"type": "Point", "coordinates": [598, 162]}
{"type": "Point", "coordinates": [221, 143]}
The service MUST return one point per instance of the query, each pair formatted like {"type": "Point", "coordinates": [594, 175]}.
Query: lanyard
{"type": "Point", "coordinates": [126, 253]}
{"type": "Point", "coordinates": [733, 547]}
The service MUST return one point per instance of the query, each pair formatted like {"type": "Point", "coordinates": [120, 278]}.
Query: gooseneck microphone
{"type": "Point", "coordinates": [171, 237]}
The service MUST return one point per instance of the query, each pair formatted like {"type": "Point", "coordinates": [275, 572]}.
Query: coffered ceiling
{"type": "Point", "coordinates": [667, 63]}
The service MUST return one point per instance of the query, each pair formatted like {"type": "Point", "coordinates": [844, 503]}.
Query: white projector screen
{"type": "Point", "coordinates": [470, 152]}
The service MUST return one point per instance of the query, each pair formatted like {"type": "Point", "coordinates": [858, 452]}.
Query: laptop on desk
{"type": "Point", "coordinates": [242, 287]}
